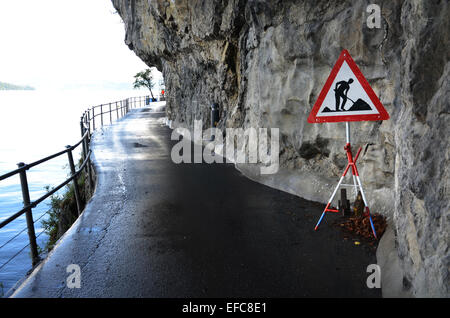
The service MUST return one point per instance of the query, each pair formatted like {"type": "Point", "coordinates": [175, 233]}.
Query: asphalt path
{"type": "Point", "coordinates": [158, 229]}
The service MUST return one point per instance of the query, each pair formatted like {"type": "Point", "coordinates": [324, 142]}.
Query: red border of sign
{"type": "Point", "coordinates": [345, 56]}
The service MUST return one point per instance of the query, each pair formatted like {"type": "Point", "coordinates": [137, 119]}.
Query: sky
{"type": "Point", "coordinates": [61, 43]}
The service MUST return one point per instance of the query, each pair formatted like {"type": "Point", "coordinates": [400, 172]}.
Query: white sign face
{"type": "Point", "coordinates": [346, 96]}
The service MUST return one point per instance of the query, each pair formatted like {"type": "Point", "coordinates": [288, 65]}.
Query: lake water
{"type": "Point", "coordinates": [33, 125]}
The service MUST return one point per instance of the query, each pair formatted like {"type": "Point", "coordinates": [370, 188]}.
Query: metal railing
{"type": "Point", "coordinates": [87, 125]}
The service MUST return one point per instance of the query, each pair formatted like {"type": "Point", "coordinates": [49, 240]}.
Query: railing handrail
{"type": "Point", "coordinates": [45, 196]}
{"type": "Point", "coordinates": [86, 132]}
{"type": "Point", "coordinates": [38, 162]}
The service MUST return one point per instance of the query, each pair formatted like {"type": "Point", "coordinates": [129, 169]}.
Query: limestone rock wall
{"type": "Point", "coordinates": [264, 63]}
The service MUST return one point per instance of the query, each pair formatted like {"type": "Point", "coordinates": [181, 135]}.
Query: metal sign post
{"type": "Point", "coordinates": [356, 182]}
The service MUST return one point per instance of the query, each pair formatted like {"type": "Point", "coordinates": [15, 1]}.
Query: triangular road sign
{"type": "Point", "coordinates": [347, 96]}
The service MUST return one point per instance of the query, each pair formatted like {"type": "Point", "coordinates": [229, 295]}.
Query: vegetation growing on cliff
{"type": "Point", "coordinates": [63, 210]}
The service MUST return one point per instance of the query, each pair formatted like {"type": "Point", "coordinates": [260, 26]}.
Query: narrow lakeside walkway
{"type": "Point", "coordinates": [157, 229]}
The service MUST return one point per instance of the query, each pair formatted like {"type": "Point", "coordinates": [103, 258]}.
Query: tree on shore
{"type": "Point", "coordinates": [144, 79]}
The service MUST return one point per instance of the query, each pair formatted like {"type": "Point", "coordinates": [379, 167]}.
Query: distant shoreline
{"type": "Point", "coordinates": [12, 87]}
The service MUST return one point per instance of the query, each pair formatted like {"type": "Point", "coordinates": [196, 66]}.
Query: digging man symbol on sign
{"type": "Point", "coordinates": [341, 91]}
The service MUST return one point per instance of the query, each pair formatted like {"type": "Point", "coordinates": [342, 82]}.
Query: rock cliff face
{"type": "Point", "coordinates": [264, 63]}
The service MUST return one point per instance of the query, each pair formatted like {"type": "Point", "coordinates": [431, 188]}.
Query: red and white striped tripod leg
{"type": "Point", "coordinates": [355, 187]}
{"type": "Point", "coordinates": [366, 205]}
{"type": "Point", "coordinates": [329, 202]}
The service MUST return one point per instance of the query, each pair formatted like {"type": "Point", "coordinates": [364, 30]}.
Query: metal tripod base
{"type": "Point", "coordinates": [356, 183]}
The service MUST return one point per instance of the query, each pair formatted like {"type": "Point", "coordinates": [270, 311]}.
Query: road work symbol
{"type": "Point", "coordinates": [346, 83]}
{"type": "Point", "coordinates": [341, 91]}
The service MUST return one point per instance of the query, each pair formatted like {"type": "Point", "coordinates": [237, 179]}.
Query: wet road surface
{"type": "Point", "coordinates": [158, 229]}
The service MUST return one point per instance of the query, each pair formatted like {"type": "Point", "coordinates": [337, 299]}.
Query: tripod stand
{"type": "Point", "coordinates": [356, 182]}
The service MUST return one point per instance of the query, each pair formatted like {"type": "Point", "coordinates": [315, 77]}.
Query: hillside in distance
{"type": "Point", "coordinates": [7, 86]}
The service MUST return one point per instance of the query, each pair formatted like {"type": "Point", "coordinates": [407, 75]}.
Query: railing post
{"type": "Point", "coordinates": [88, 167]}
{"type": "Point", "coordinates": [88, 123]}
{"type": "Point", "coordinates": [75, 183]}
{"type": "Point", "coordinates": [93, 118]}
{"type": "Point", "coordinates": [117, 110]}
{"type": "Point", "coordinates": [101, 114]}
{"type": "Point", "coordinates": [29, 215]}
{"type": "Point", "coordinates": [82, 136]}
{"type": "Point", "coordinates": [110, 114]}
{"type": "Point", "coordinates": [85, 143]}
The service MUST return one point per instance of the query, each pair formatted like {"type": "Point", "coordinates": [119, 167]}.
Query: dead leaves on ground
{"type": "Point", "coordinates": [360, 227]}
